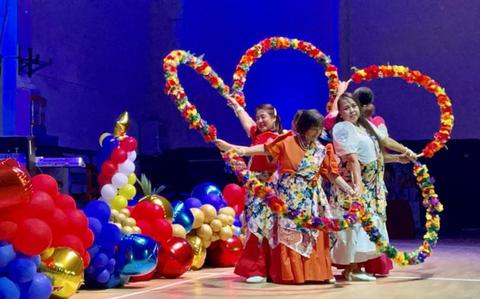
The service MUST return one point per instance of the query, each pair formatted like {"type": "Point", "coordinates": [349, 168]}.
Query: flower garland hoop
{"type": "Point", "coordinates": [174, 89]}
{"type": "Point", "coordinates": [278, 206]}
{"type": "Point", "coordinates": [433, 208]}
{"type": "Point", "coordinates": [441, 137]}
{"type": "Point", "coordinates": [281, 43]}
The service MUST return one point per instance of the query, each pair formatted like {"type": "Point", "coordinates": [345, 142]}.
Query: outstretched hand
{"type": "Point", "coordinates": [223, 145]}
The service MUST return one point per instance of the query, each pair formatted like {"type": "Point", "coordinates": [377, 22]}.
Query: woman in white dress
{"type": "Point", "coordinates": [360, 144]}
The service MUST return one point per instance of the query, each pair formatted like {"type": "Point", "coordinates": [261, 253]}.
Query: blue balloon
{"type": "Point", "coordinates": [237, 222]}
{"type": "Point", "coordinates": [7, 254]}
{"type": "Point", "coordinates": [98, 209]}
{"type": "Point", "coordinates": [182, 215]}
{"type": "Point", "coordinates": [202, 191]}
{"type": "Point", "coordinates": [95, 225]}
{"type": "Point", "coordinates": [103, 277]}
{"type": "Point", "coordinates": [102, 156]}
{"type": "Point", "coordinates": [21, 270]}
{"type": "Point", "coordinates": [137, 255]}
{"type": "Point", "coordinates": [214, 200]}
{"type": "Point", "coordinates": [110, 235]}
{"type": "Point", "coordinates": [111, 265]}
{"type": "Point", "coordinates": [93, 251]}
{"type": "Point", "coordinates": [193, 202]}
{"type": "Point", "coordinates": [100, 261]}
{"type": "Point", "coordinates": [116, 280]}
{"type": "Point", "coordinates": [39, 288]}
{"type": "Point", "coordinates": [8, 289]}
{"type": "Point", "coordinates": [109, 143]}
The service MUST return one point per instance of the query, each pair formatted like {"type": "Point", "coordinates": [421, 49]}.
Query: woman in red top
{"type": "Point", "coordinates": [259, 219]}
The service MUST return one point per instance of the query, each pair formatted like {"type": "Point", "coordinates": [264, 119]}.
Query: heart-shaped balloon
{"type": "Point", "coordinates": [15, 184]}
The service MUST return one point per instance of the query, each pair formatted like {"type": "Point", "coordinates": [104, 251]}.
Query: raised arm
{"type": "Point", "coordinates": [245, 119]}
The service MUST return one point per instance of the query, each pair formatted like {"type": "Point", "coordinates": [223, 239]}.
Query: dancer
{"type": "Point", "coordinates": [259, 219]}
{"type": "Point", "coordinates": [300, 254]}
{"type": "Point", "coordinates": [359, 144]}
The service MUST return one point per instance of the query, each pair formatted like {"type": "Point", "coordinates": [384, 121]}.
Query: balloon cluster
{"type": "Point", "coordinates": [122, 219]}
{"type": "Point", "coordinates": [39, 220]}
{"type": "Point", "coordinates": [213, 220]}
{"type": "Point", "coordinates": [19, 277]}
{"type": "Point", "coordinates": [117, 177]}
{"type": "Point", "coordinates": [115, 256]}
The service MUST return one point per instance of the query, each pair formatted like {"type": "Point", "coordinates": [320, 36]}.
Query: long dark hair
{"type": "Point", "coordinates": [277, 126]}
{"type": "Point", "coordinates": [362, 120]}
{"type": "Point", "coordinates": [306, 119]}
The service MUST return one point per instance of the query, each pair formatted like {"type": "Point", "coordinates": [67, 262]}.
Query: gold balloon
{"type": "Point", "coordinates": [209, 211]}
{"type": "Point", "coordinates": [205, 232]}
{"type": "Point", "coordinates": [227, 211]}
{"type": "Point", "coordinates": [163, 202]}
{"type": "Point", "coordinates": [121, 218]}
{"type": "Point", "coordinates": [216, 225]}
{"type": "Point", "coordinates": [215, 237]}
{"type": "Point", "coordinates": [125, 212]}
{"type": "Point", "coordinates": [198, 217]}
{"type": "Point", "coordinates": [137, 230]}
{"type": "Point", "coordinates": [127, 230]}
{"type": "Point", "coordinates": [47, 253]}
{"type": "Point", "coordinates": [199, 252]}
{"type": "Point", "coordinates": [130, 222]}
{"type": "Point", "coordinates": [226, 233]}
{"type": "Point", "coordinates": [65, 269]}
{"type": "Point", "coordinates": [122, 124]}
{"type": "Point", "coordinates": [230, 220]}
{"type": "Point", "coordinates": [114, 214]}
{"type": "Point", "coordinates": [223, 218]}
{"type": "Point", "coordinates": [206, 243]}
{"type": "Point", "coordinates": [179, 231]}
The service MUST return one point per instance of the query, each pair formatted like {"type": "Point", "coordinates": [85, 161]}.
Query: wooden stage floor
{"type": "Point", "coordinates": [452, 272]}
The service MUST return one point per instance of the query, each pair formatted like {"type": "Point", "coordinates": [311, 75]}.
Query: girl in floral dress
{"type": "Point", "coordinates": [299, 254]}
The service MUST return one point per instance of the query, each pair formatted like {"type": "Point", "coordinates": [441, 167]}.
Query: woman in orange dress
{"type": "Point", "coordinates": [299, 254]}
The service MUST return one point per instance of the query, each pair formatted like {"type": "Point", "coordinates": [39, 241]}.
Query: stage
{"type": "Point", "coordinates": [452, 272]}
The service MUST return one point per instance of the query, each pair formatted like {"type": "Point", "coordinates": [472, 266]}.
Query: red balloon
{"type": "Point", "coordinates": [7, 230]}
{"type": "Point", "coordinates": [86, 259]}
{"type": "Point", "coordinates": [70, 241]}
{"type": "Point", "coordinates": [103, 179]}
{"type": "Point", "coordinates": [65, 202]}
{"type": "Point", "coordinates": [15, 186]}
{"type": "Point", "coordinates": [32, 237]}
{"type": "Point", "coordinates": [77, 220]}
{"type": "Point", "coordinates": [109, 168]}
{"type": "Point", "coordinates": [118, 155]}
{"type": "Point", "coordinates": [147, 211]}
{"type": "Point", "coordinates": [174, 258]}
{"type": "Point", "coordinates": [45, 183]}
{"type": "Point", "coordinates": [144, 277]}
{"type": "Point", "coordinates": [15, 214]}
{"type": "Point", "coordinates": [128, 144]}
{"type": "Point", "coordinates": [58, 223]}
{"type": "Point", "coordinates": [225, 253]}
{"type": "Point", "coordinates": [161, 230]}
{"type": "Point", "coordinates": [87, 238]}
{"type": "Point", "coordinates": [41, 205]}
{"type": "Point", "coordinates": [234, 196]}
{"type": "Point", "coordinates": [145, 227]}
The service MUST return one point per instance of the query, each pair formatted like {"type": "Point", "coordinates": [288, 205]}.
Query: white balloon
{"type": "Point", "coordinates": [126, 167]}
{"type": "Point", "coordinates": [237, 231]}
{"type": "Point", "coordinates": [132, 155]}
{"type": "Point", "coordinates": [119, 180]}
{"type": "Point", "coordinates": [108, 191]}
